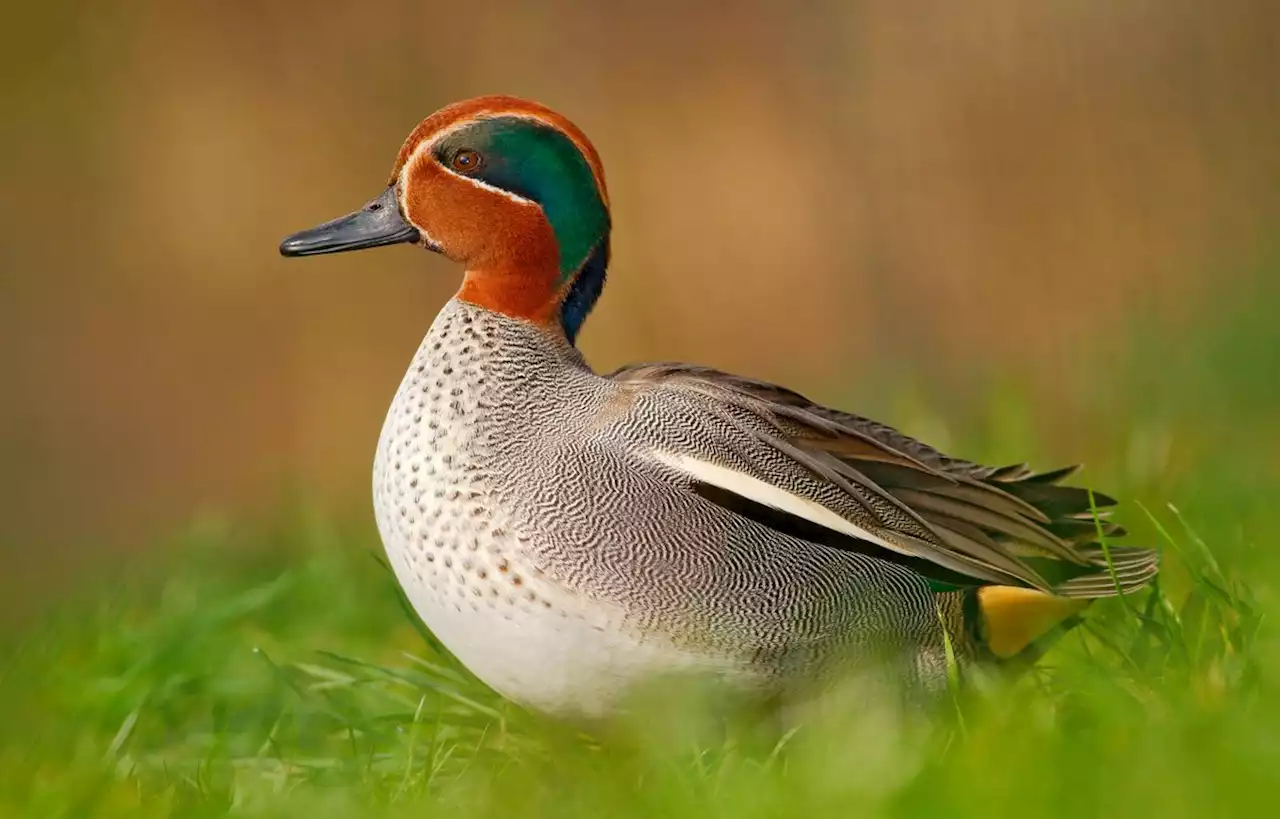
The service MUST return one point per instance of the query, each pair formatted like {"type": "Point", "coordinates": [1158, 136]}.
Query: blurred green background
{"type": "Point", "coordinates": [1043, 231]}
{"type": "Point", "coordinates": [944, 190]}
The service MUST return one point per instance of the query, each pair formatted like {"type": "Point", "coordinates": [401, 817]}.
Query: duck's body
{"type": "Point", "coordinates": [483, 494]}
{"type": "Point", "coordinates": [546, 537]}
{"type": "Point", "coordinates": [569, 535]}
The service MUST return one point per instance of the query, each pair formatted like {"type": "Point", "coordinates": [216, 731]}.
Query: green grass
{"type": "Point", "coordinates": [272, 670]}
{"type": "Point", "coordinates": [273, 685]}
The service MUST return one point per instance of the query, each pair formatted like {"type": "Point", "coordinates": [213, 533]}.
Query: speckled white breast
{"type": "Point", "coordinates": [442, 479]}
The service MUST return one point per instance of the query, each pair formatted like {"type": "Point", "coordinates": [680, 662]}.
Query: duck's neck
{"type": "Point", "coordinates": [539, 290]}
{"type": "Point", "coordinates": [505, 352]}
{"type": "Point", "coordinates": [584, 290]}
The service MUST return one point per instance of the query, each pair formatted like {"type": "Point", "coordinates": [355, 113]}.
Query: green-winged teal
{"type": "Point", "coordinates": [567, 534]}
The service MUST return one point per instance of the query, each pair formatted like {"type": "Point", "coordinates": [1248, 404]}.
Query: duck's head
{"type": "Point", "coordinates": [504, 186]}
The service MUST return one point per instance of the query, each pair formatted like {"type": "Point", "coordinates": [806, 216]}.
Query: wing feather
{"type": "Point", "coordinates": [868, 481]}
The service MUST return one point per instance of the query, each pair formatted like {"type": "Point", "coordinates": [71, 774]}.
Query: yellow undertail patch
{"type": "Point", "coordinates": [1012, 617]}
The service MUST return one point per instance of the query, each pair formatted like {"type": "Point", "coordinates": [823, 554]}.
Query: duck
{"type": "Point", "coordinates": [569, 535]}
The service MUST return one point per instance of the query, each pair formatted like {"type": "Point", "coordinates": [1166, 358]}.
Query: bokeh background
{"type": "Point", "coordinates": [848, 196]}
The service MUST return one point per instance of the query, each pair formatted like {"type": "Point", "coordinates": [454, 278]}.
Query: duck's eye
{"type": "Point", "coordinates": [466, 161]}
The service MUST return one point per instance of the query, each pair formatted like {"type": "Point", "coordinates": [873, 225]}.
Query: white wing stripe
{"type": "Point", "coordinates": [754, 489]}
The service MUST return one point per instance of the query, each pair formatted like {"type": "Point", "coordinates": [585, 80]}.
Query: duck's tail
{"type": "Point", "coordinates": [1007, 622]}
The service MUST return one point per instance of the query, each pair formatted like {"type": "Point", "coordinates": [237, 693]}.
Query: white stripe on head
{"type": "Point", "coordinates": [762, 492]}
{"type": "Point", "coordinates": [428, 145]}
{"type": "Point", "coordinates": [425, 239]}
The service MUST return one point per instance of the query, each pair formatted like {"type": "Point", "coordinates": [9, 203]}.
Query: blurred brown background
{"type": "Point", "coordinates": [801, 192]}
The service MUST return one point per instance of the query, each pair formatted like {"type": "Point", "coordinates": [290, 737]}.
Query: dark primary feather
{"type": "Point", "coordinates": [987, 525]}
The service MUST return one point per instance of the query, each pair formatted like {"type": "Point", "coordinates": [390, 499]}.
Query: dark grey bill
{"type": "Point", "coordinates": [377, 223]}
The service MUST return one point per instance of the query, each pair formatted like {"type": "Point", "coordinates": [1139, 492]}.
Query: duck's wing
{"type": "Point", "coordinates": [841, 479]}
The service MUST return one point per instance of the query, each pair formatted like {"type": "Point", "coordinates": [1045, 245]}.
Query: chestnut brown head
{"type": "Point", "coordinates": [509, 189]}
